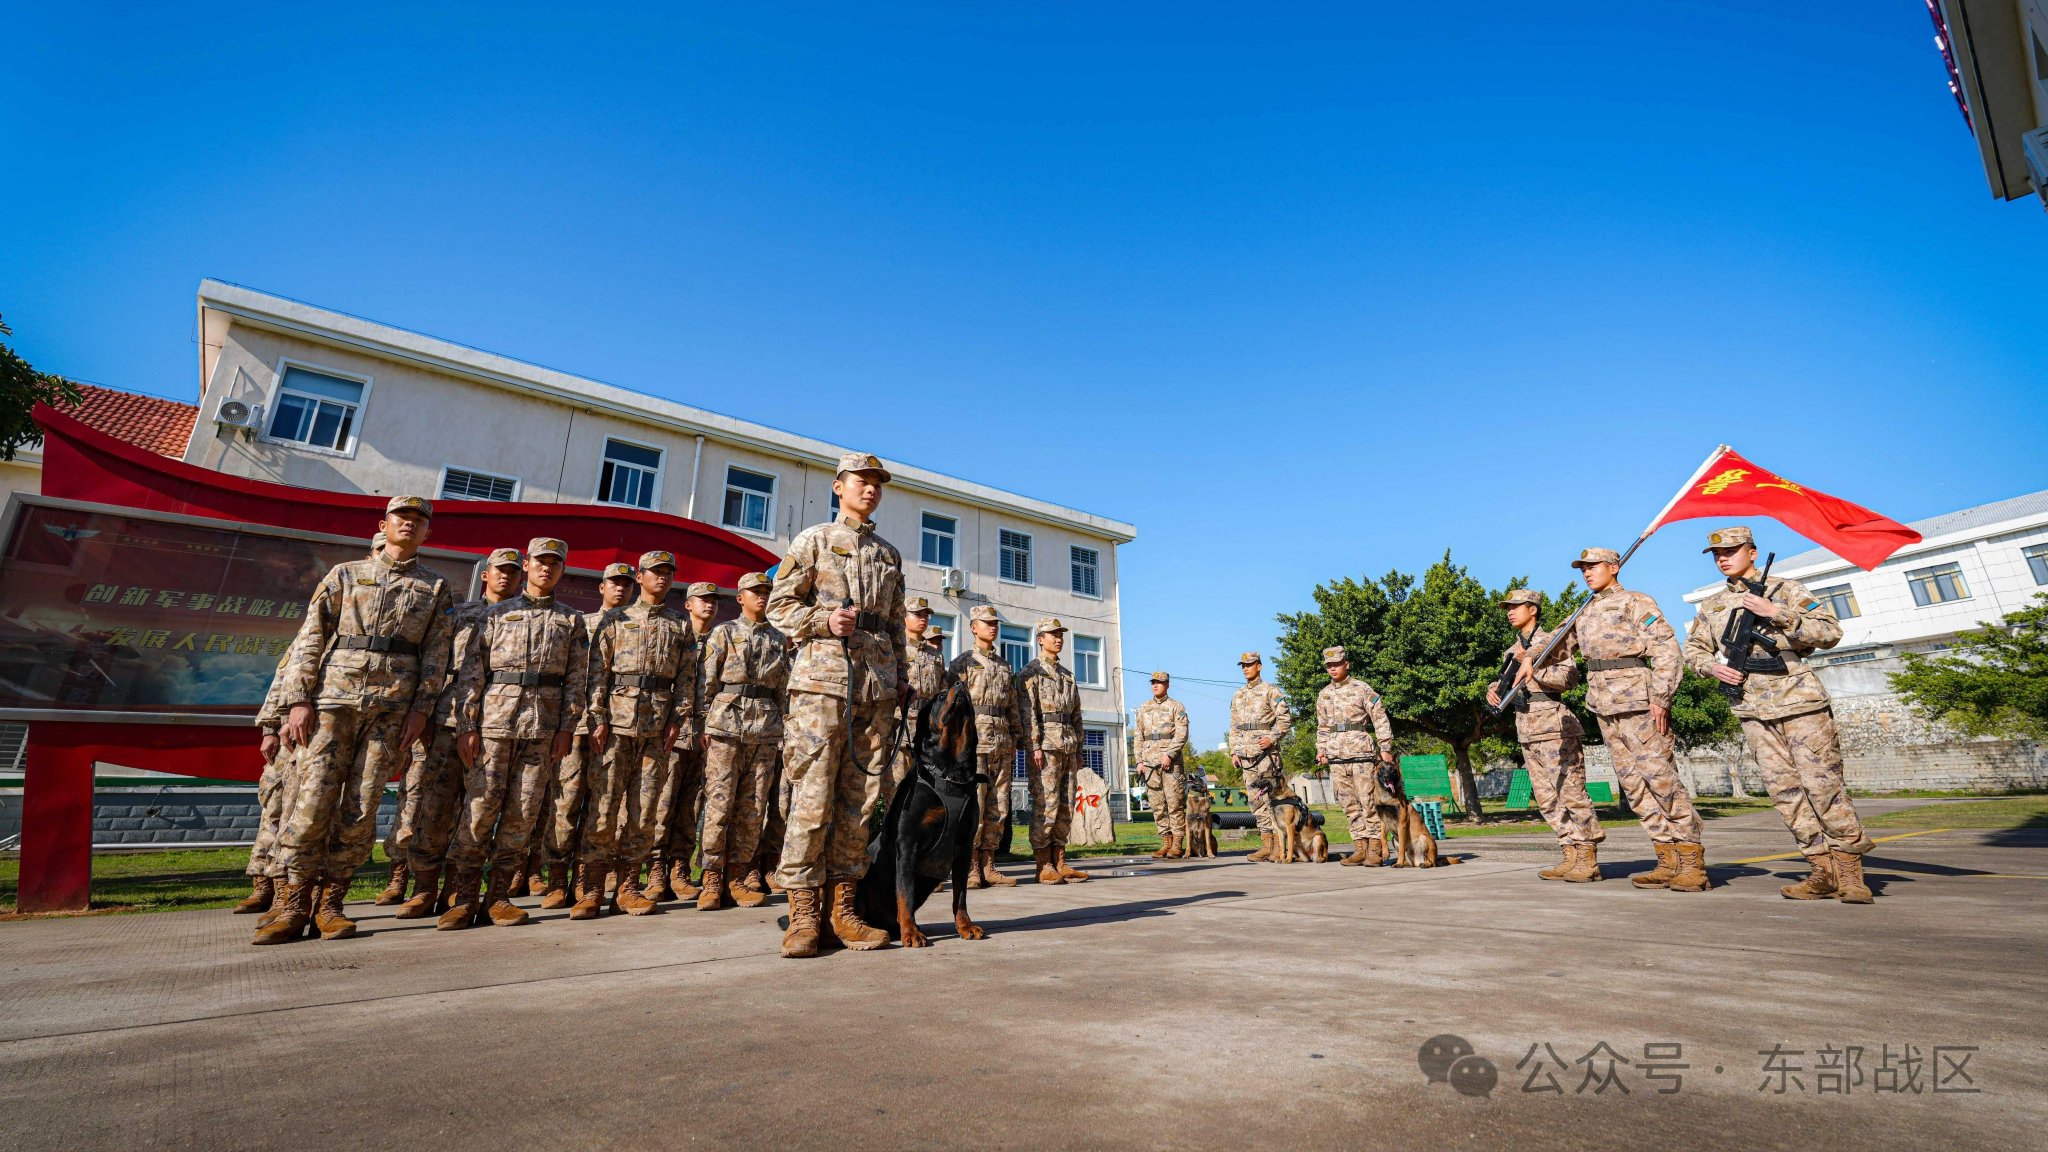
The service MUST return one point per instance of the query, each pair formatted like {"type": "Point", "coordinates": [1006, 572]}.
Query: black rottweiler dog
{"type": "Point", "coordinates": [927, 834]}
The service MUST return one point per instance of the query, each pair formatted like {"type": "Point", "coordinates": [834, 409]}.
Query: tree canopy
{"type": "Point", "coordinates": [22, 387]}
{"type": "Point", "coordinates": [1995, 683]}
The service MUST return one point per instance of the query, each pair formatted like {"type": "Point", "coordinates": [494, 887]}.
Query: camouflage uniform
{"type": "Point", "coordinates": [1160, 749]}
{"type": "Point", "coordinates": [992, 687]}
{"type": "Point", "coordinates": [643, 679]}
{"type": "Point", "coordinates": [1632, 663]}
{"type": "Point", "coordinates": [270, 787]}
{"type": "Point", "coordinates": [1258, 709]}
{"type": "Point", "coordinates": [434, 791]}
{"type": "Point", "coordinates": [746, 666]}
{"type": "Point", "coordinates": [832, 796]}
{"type": "Point", "coordinates": [679, 810]}
{"type": "Point", "coordinates": [1787, 716]}
{"type": "Point", "coordinates": [558, 838]}
{"type": "Point", "coordinates": [374, 647]}
{"type": "Point", "coordinates": [1552, 748]}
{"type": "Point", "coordinates": [1352, 733]}
{"type": "Point", "coordinates": [928, 676]}
{"type": "Point", "coordinates": [1049, 708]}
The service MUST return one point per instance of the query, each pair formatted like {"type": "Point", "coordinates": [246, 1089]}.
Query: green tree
{"type": "Point", "coordinates": [21, 389]}
{"type": "Point", "coordinates": [1996, 683]}
{"type": "Point", "coordinates": [1217, 763]}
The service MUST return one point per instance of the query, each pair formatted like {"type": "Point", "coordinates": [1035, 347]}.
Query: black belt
{"type": "Point", "coordinates": [991, 710]}
{"type": "Point", "coordinates": [528, 679]}
{"type": "Point", "coordinates": [637, 681]}
{"type": "Point", "coordinates": [1350, 727]}
{"type": "Point", "coordinates": [1253, 727]}
{"type": "Point", "coordinates": [1166, 735]}
{"type": "Point", "coordinates": [1535, 697]}
{"type": "Point", "coordinates": [868, 621]}
{"type": "Point", "coordinates": [1616, 665]}
{"type": "Point", "coordinates": [1760, 665]}
{"type": "Point", "coordinates": [397, 645]}
{"type": "Point", "coordinates": [750, 691]}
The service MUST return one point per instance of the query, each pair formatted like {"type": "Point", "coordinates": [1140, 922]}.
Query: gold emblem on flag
{"type": "Point", "coordinates": [1723, 482]}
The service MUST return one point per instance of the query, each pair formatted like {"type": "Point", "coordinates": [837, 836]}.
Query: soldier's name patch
{"type": "Point", "coordinates": [838, 551]}
{"type": "Point", "coordinates": [515, 615]}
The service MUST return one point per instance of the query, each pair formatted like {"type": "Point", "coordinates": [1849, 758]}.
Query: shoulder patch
{"type": "Point", "coordinates": [1652, 618]}
{"type": "Point", "coordinates": [1809, 606]}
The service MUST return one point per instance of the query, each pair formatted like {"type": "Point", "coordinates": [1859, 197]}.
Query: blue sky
{"type": "Point", "coordinates": [1302, 291]}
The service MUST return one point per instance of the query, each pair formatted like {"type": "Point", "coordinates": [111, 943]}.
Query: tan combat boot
{"type": "Point", "coordinates": [426, 887]}
{"type": "Point", "coordinates": [1375, 851]}
{"type": "Point", "coordinates": [852, 931]}
{"type": "Point", "coordinates": [394, 892]}
{"type": "Point", "coordinates": [800, 939]}
{"type": "Point", "coordinates": [711, 896]}
{"type": "Point", "coordinates": [768, 878]}
{"type": "Point", "coordinates": [976, 878]}
{"type": "Point", "coordinates": [1556, 871]}
{"type": "Point", "coordinates": [463, 899]}
{"type": "Point", "coordinates": [1165, 840]}
{"type": "Point", "coordinates": [1849, 877]}
{"type": "Point", "coordinates": [753, 881]}
{"type": "Point", "coordinates": [536, 878]}
{"type": "Point", "coordinates": [749, 893]}
{"type": "Point", "coordinates": [1692, 869]}
{"type": "Point", "coordinates": [518, 881]}
{"type": "Point", "coordinates": [990, 876]}
{"type": "Point", "coordinates": [294, 908]}
{"type": "Point", "coordinates": [1173, 851]}
{"type": "Point", "coordinates": [657, 887]}
{"type": "Point", "coordinates": [1059, 861]}
{"type": "Point", "coordinates": [1357, 856]}
{"type": "Point", "coordinates": [262, 891]}
{"type": "Point", "coordinates": [1265, 849]}
{"type": "Point", "coordinates": [1660, 876]}
{"type": "Point", "coordinates": [1047, 874]}
{"type": "Point", "coordinates": [589, 893]}
{"type": "Point", "coordinates": [679, 880]}
{"type": "Point", "coordinates": [499, 906]}
{"type": "Point", "coordinates": [1585, 864]}
{"type": "Point", "coordinates": [447, 895]}
{"type": "Point", "coordinates": [631, 898]}
{"type": "Point", "coordinates": [1819, 883]}
{"type": "Point", "coordinates": [556, 894]}
{"type": "Point", "coordinates": [327, 910]}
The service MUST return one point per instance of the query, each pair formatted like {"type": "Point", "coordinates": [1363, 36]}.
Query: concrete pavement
{"type": "Point", "coordinates": [1186, 1004]}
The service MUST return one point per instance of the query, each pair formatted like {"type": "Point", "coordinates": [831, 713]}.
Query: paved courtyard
{"type": "Point", "coordinates": [1186, 1004]}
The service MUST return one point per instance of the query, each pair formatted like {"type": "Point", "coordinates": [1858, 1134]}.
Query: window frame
{"type": "Point", "coordinates": [1096, 565]}
{"type": "Point", "coordinates": [660, 471]}
{"type": "Point", "coordinates": [270, 402]}
{"type": "Point", "coordinates": [441, 485]}
{"type": "Point", "coordinates": [1101, 655]}
{"type": "Point", "coordinates": [953, 536]}
{"type": "Point", "coordinates": [1030, 557]}
{"type": "Point", "coordinates": [2036, 556]}
{"type": "Point", "coordinates": [1003, 641]}
{"type": "Point", "coordinates": [949, 645]}
{"type": "Point", "coordinates": [1931, 576]}
{"type": "Point", "coordinates": [1836, 592]}
{"type": "Point", "coordinates": [773, 497]}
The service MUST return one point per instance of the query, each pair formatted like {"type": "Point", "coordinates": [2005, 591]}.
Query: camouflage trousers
{"type": "Point", "coordinates": [568, 799]}
{"type": "Point", "coordinates": [992, 834]}
{"type": "Point", "coordinates": [502, 794]}
{"type": "Point", "coordinates": [1801, 759]}
{"type": "Point", "coordinates": [1649, 778]}
{"type": "Point", "coordinates": [1557, 782]}
{"type": "Point", "coordinates": [330, 820]}
{"type": "Point", "coordinates": [1357, 785]}
{"type": "Point", "coordinates": [680, 808]}
{"type": "Point", "coordinates": [1052, 800]}
{"type": "Point", "coordinates": [776, 823]}
{"type": "Point", "coordinates": [1167, 790]}
{"type": "Point", "coordinates": [433, 800]}
{"type": "Point", "coordinates": [832, 795]}
{"type": "Point", "coordinates": [270, 797]}
{"type": "Point", "coordinates": [623, 789]}
{"type": "Point", "coordinates": [1261, 780]}
{"type": "Point", "coordinates": [737, 778]}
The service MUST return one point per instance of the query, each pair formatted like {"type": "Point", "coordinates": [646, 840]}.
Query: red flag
{"type": "Point", "coordinates": [1728, 485]}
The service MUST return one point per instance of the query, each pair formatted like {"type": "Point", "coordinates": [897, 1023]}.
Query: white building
{"type": "Point", "coordinates": [1997, 57]}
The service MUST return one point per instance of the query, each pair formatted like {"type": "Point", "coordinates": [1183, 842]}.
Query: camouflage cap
{"type": "Point", "coordinates": [377, 540]}
{"type": "Point", "coordinates": [617, 570]}
{"type": "Point", "coordinates": [1161, 678]}
{"type": "Point", "coordinates": [419, 504]}
{"type": "Point", "coordinates": [753, 580]}
{"type": "Point", "coordinates": [1734, 537]}
{"type": "Point", "coordinates": [1335, 655]}
{"type": "Point", "coordinates": [502, 558]}
{"type": "Point", "coordinates": [704, 588]}
{"type": "Point", "coordinates": [916, 604]}
{"type": "Point", "coordinates": [657, 559]}
{"type": "Point", "coordinates": [934, 634]}
{"type": "Point", "coordinates": [1245, 658]}
{"type": "Point", "coordinates": [1522, 596]}
{"type": "Point", "coordinates": [1597, 556]}
{"type": "Point", "coordinates": [1048, 624]}
{"type": "Point", "coordinates": [862, 462]}
{"type": "Point", "coordinates": [547, 546]}
{"type": "Point", "coordinates": [985, 612]}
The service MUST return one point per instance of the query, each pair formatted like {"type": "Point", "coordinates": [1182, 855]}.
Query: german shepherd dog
{"type": "Point", "coordinates": [1301, 838]}
{"type": "Point", "coordinates": [927, 835]}
{"type": "Point", "coordinates": [1414, 847]}
{"type": "Point", "coordinates": [1201, 824]}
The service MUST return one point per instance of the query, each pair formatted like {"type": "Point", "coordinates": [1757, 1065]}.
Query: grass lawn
{"type": "Point", "coordinates": [2003, 812]}
{"type": "Point", "coordinates": [178, 879]}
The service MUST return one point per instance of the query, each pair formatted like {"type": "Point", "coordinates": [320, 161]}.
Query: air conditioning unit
{"type": "Point", "coordinates": [237, 414]}
{"type": "Point", "coordinates": [955, 580]}
{"type": "Point", "coordinates": [2035, 145]}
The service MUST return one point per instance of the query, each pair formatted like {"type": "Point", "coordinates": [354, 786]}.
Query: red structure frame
{"type": "Point", "coordinates": [81, 463]}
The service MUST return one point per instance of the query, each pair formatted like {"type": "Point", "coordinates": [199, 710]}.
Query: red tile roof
{"type": "Point", "coordinates": [162, 426]}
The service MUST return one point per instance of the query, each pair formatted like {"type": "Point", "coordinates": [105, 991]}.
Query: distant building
{"type": "Point", "coordinates": [1997, 57]}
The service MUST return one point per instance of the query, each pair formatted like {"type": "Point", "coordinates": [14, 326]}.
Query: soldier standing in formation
{"type": "Point", "coordinates": [556, 840]}
{"type": "Point", "coordinates": [1354, 739]}
{"type": "Point", "coordinates": [746, 665]}
{"type": "Point", "coordinates": [680, 808]}
{"type": "Point", "coordinates": [1160, 748]}
{"type": "Point", "coordinates": [839, 595]}
{"type": "Point", "coordinates": [369, 659]}
{"type": "Point", "coordinates": [1786, 714]}
{"type": "Point", "coordinates": [1552, 748]}
{"type": "Point", "coordinates": [270, 791]}
{"type": "Point", "coordinates": [1258, 722]}
{"type": "Point", "coordinates": [928, 678]}
{"type": "Point", "coordinates": [524, 686]}
{"type": "Point", "coordinates": [993, 688]}
{"type": "Point", "coordinates": [1632, 672]}
{"type": "Point", "coordinates": [1049, 710]}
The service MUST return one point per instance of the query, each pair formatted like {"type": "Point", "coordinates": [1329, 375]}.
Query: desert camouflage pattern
{"type": "Point", "coordinates": [502, 797]}
{"type": "Point", "coordinates": [1052, 799]}
{"type": "Point", "coordinates": [1649, 777]}
{"type": "Point", "coordinates": [1556, 764]}
{"type": "Point", "coordinates": [525, 634]}
{"type": "Point", "coordinates": [831, 796]}
{"type": "Point", "coordinates": [329, 820]}
{"type": "Point", "coordinates": [1259, 709]}
{"type": "Point", "coordinates": [377, 597]}
{"type": "Point", "coordinates": [568, 798]}
{"type": "Point", "coordinates": [829, 564]}
{"type": "Point", "coordinates": [1159, 745]}
{"type": "Point", "coordinates": [740, 654]}
{"type": "Point", "coordinates": [462, 621]}
{"type": "Point", "coordinates": [270, 785]}
{"type": "Point", "coordinates": [1804, 624]}
{"type": "Point", "coordinates": [1048, 708]}
{"type": "Point", "coordinates": [640, 639]}
{"type": "Point", "coordinates": [1545, 719]}
{"type": "Point", "coordinates": [928, 673]}
{"type": "Point", "coordinates": [1356, 783]}
{"type": "Point", "coordinates": [993, 688]}
{"type": "Point", "coordinates": [434, 794]}
{"type": "Point", "coordinates": [1617, 624]}
{"type": "Point", "coordinates": [1801, 759]}
{"type": "Point", "coordinates": [737, 776]}
{"type": "Point", "coordinates": [1356, 708]}
{"type": "Point", "coordinates": [624, 787]}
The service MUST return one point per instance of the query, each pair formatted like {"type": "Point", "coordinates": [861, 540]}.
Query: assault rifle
{"type": "Point", "coordinates": [1741, 639]}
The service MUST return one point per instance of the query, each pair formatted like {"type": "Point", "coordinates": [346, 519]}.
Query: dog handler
{"type": "Point", "coordinates": [1049, 707]}
{"type": "Point", "coordinates": [989, 683]}
{"type": "Point", "coordinates": [1353, 738]}
{"type": "Point", "coordinates": [1552, 748]}
{"type": "Point", "coordinates": [1160, 745]}
{"type": "Point", "coordinates": [1258, 722]}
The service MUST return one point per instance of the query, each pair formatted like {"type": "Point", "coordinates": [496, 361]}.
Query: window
{"type": "Point", "coordinates": [1094, 749]}
{"type": "Point", "coordinates": [463, 484]}
{"type": "Point", "coordinates": [832, 509]}
{"type": "Point", "coordinates": [1016, 556]}
{"type": "Point", "coordinates": [1023, 773]}
{"type": "Point", "coordinates": [1853, 658]}
{"type": "Point", "coordinates": [631, 474]}
{"type": "Point", "coordinates": [1015, 645]}
{"type": "Point", "coordinates": [1841, 598]}
{"type": "Point", "coordinates": [1088, 661]}
{"type": "Point", "coordinates": [749, 499]}
{"type": "Point", "coordinates": [2037, 561]}
{"type": "Point", "coordinates": [935, 543]}
{"type": "Point", "coordinates": [316, 410]}
{"type": "Point", "coordinates": [1938, 585]}
{"type": "Point", "coordinates": [1087, 566]}
{"type": "Point", "coordinates": [946, 646]}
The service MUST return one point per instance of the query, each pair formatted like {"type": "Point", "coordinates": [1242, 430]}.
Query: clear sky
{"type": "Point", "coordinates": [1303, 292]}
